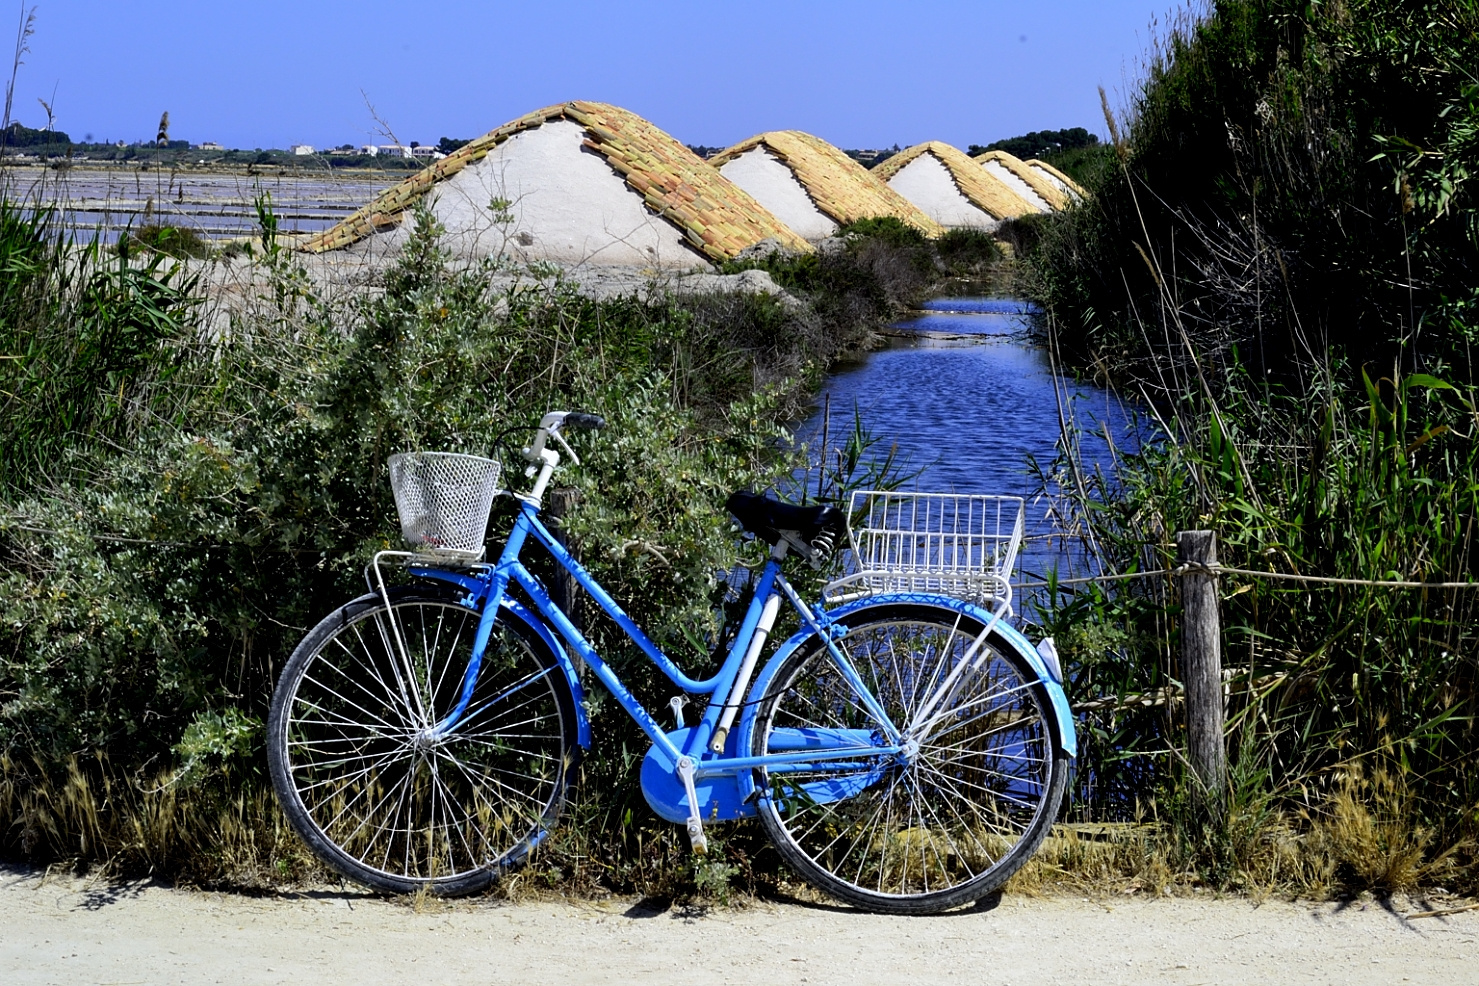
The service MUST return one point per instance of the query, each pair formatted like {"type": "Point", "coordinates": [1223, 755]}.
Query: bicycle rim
{"type": "Point", "coordinates": [940, 825]}
{"type": "Point", "coordinates": [371, 788]}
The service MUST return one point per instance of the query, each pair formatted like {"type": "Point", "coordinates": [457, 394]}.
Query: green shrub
{"type": "Point", "coordinates": [968, 250]}
{"type": "Point", "coordinates": [171, 241]}
{"type": "Point", "coordinates": [886, 229]}
{"type": "Point", "coordinates": [1294, 176]}
{"type": "Point", "coordinates": [148, 599]}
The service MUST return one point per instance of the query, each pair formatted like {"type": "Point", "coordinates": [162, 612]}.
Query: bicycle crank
{"type": "Point", "coordinates": [695, 824]}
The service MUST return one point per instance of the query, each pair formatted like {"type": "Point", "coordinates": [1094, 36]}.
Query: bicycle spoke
{"type": "Point", "coordinates": [405, 806]}
{"type": "Point", "coordinates": [939, 823]}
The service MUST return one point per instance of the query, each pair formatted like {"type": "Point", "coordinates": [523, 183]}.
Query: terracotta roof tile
{"type": "Point", "coordinates": [985, 191]}
{"type": "Point", "coordinates": [841, 188]}
{"type": "Point", "coordinates": [1074, 186]}
{"type": "Point", "coordinates": [1051, 194]}
{"type": "Point", "coordinates": [676, 183]}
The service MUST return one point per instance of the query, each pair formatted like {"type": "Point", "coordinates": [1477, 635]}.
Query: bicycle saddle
{"type": "Point", "coordinates": [773, 521]}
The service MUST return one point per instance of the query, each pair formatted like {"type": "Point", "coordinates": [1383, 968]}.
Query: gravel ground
{"type": "Point", "coordinates": [70, 931]}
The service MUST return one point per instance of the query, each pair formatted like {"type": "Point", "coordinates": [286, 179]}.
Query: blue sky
{"type": "Point", "coordinates": [865, 73]}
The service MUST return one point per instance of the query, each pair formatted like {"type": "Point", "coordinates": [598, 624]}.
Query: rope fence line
{"type": "Point", "coordinates": [1216, 570]}
{"type": "Point", "coordinates": [1081, 580]}
{"type": "Point", "coordinates": [1183, 569]}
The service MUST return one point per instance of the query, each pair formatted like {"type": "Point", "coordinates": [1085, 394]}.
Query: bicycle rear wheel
{"type": "Point", "coordinates": [373, 791]}
{"type": "Point", "coordinates": [947, 821]}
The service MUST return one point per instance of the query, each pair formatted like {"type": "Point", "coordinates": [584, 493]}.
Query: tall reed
{"type": "Point", "coordinates": [84, 335]}
{"type": "Point", "coordinates": [1287, 294]}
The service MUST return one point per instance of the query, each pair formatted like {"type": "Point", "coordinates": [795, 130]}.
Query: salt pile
{"type": "Point", "coordinates": [574, 183]}
{"type": "Point", "coordinates": [812, 186]}
{"type": "Point", "coordinates": [1038, 191]}
{"type": "Point", "coordinates": [950, 188]}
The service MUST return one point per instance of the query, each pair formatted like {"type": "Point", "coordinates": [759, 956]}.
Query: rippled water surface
{"type": "Point", "coordinates": [967, 395]}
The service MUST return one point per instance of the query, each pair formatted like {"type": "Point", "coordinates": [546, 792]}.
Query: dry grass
{"type": "Point", "coordinates": [1363, 836]}
{"type": "Point", "coordinates": [1094, 859]}
{"type": "Point", "coordinates": [121, 826]}
{"type": "Point", "coordinates": [1371, 838]}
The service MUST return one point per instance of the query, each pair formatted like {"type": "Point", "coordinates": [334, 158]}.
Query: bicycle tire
{"type": "Point", "coordinates": [379, 799]}
{"type": "Point", "coordinates": [920, 833]}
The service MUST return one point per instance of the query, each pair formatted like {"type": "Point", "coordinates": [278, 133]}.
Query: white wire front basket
{"type": "Point", "coordinates": [443, 500]}
{"type": "Point", "coordinates": [961, 545]}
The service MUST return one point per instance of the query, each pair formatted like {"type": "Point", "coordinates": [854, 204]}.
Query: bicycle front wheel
{"type": "Point", "coordinates": [949, 819]}
{"type": "Point", "coordinates": [375, 789]}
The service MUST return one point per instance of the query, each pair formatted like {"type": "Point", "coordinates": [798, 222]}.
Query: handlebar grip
{"type": "Point", "coordinates": [580, 419]}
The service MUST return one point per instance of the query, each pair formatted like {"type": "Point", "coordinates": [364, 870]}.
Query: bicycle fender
{"type": "Point", "coordinates": [567, 667]}
{"type": "Point", "coordinates": [476, 590]}
{"type": "Point", "coordinates": [1062, 712]}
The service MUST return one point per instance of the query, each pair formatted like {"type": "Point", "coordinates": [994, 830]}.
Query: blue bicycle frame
{"type": "Point", "coordinates": [723, 781]}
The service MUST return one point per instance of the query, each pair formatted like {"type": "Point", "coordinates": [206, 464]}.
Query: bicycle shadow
{"type": "Point", "coordinates": [96, 898]}
{"type": "Point", "coordinates": [983, 906]}
{"type": "Point", "coordinates": [648, 908]}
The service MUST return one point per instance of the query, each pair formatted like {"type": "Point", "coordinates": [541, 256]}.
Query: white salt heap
{"type": "Point", "coordinates": [558, 201]}
{"type": "Point", "coordinates": [771, 182]}
{"type": "Point", "coordinates": [1029, 194]}
{"type": "Point", "coordinates": [1062, 185]}
{"type": "Point", "coordinates": [926, 182]}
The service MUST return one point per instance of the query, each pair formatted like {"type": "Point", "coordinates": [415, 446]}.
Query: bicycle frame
{"type": "Point", "coordinates": [492, 583]}
{"type": "Point", "coordinates": [710, 751]}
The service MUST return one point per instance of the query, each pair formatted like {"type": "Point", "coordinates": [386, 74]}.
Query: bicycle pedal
{"type": "Point", "coordinates": [696, 837]}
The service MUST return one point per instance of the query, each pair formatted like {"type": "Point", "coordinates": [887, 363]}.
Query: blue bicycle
{"type": "Point", "coordinates": [905, 750]}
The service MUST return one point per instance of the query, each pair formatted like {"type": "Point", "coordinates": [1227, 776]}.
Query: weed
{"type": "Point", "coordinates": [172, 241]}
{"type": "Point", "coordinates": [1287, 292]}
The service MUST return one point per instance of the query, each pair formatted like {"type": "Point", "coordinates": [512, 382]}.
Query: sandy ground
{"type": "Point", "coordinates": [73, 932]}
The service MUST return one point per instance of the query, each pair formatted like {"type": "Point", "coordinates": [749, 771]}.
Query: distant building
{"type": "Point", "coordinates": [395, 150]}
{"type": "Point", "coordinates": [206, 145]}
{"type": "Point", "coordinates": [369, 150]}
{"type": "Point", "coordinates": [300, 150]}
{"type": "Point", "coordinates": [425, 153]}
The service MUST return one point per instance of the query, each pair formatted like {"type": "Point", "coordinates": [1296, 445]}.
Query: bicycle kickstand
{"type": "Point", "coordinates": [696, 835]}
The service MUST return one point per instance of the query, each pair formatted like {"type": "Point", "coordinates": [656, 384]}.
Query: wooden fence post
{"type": "Point", "coordinates": [563, 589]}
{"type": "Point", "coordinates": [1201, 662]}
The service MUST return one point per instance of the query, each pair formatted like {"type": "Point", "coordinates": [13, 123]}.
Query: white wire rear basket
{"type": "Point", "coordinates": [961, 545]}
{"type": "Point", "coordinates": [443, 500]}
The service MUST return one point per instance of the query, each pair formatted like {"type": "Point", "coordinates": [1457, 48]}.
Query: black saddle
{"type": "Point", "coordinates": [773, 521]}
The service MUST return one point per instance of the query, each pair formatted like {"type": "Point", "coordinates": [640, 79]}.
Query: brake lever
{"type": "Point", "coordinates": [574, 459]}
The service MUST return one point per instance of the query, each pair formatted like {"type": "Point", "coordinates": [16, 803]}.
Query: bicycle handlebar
{"type": "Point", "coordinates": [580, 419]}
{"type": "Point", "coordinates": [549, 427]}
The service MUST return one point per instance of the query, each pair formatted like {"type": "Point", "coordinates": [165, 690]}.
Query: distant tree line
{"type": "Point", "coordinates": [20, 135]}
{"type": "Point", "coordinates": [1040, 143]}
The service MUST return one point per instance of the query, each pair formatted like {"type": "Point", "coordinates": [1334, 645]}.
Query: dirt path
{"type": "Point", "coordinates": [73, 932]}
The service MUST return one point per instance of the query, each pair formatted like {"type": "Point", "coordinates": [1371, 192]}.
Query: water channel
{"type": "Point", "coordinates": [967, 394]}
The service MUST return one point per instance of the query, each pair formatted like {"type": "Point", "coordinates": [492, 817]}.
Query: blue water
{"type": "Point", "coordinates": [967, 394]}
